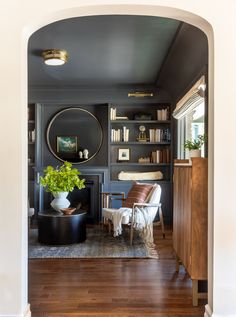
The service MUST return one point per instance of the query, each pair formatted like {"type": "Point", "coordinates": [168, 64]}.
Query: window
{"type": "Point", "coordinates": [190, 115]}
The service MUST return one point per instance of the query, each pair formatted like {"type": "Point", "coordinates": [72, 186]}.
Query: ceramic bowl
{"type": "Point", "coordinates": [68, 211]}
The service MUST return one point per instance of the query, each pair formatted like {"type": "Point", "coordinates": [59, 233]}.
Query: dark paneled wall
{"type": "Point", "coordinates": [50, 101]}
{"type": "Point", "coordinates": [94, 95]}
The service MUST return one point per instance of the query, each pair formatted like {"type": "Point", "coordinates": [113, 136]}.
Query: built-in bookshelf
{"type": "Point", "coordinates": [144, 132]}
{"type": "Point", "coordinates": [31, 141]}
{"type": "Point", "coordinates": [31, 154]}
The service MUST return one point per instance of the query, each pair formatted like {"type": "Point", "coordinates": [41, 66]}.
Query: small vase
{"type": "Point", "coordinates": [195, 153]}
{"type": "Point", "coordinates": [60, 201]}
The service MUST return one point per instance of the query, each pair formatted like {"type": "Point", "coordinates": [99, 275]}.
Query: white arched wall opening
{"type": "Point", "coordinates": [14, 299]}
{"type": "Point", "coordinates": [168, 13]}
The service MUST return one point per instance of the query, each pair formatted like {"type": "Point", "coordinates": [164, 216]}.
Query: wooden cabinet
{"type": "Point", "coordinates": [190, 219]}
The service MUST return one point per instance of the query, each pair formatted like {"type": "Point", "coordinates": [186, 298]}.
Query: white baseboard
{"type": "Point", "coordinates": [26, 313]}
{"type": "Point", "coordinates": [223, 315]}
{"type": "Point", "coordinates": [208, 311]}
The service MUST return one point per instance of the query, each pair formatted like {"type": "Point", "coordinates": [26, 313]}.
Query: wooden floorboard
{"type": "Point", "coordinates": [112, 287]}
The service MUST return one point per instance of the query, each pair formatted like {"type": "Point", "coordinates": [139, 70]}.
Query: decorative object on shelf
{"type": "Point", "coordinates": [123, 155]}
{"type": "Point", "coordinates": [194, 146]}
{"type": "Point", "coordinates": [143, 160]}
{"type": "Point", "coordinates": [30, 161]}
{"type": "Point", "coordinates": [66, 144]}
{"type": "Point", "coordinates": [142, 116]}
{"type": "Point", "coordinates": [55, 57]}
{"type": "Point", "coordinates": [68, 211]}
{"type": "Point", "coordinates": [32, 136]}
{"type": "Point", "coordinates": [131, 175]}
{"type": "Point", "coordinates": [142, 137]}
{"type": "Point", "coordinates": [85, 154]}
{"type": "Point", "coordinates": [140, 94]}
{"type": "Point", "coordinates": [60, 181]}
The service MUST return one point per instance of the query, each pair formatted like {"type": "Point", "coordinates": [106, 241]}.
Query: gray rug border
{"type": "Point", "coordinates": [149, 254]}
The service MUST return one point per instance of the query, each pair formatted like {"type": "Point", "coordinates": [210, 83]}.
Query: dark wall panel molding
{"type": "Point", "coordinates": [94, 96]}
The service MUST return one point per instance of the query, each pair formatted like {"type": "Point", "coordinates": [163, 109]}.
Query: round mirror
{"type": "Point", "coordinates": [74, 135]}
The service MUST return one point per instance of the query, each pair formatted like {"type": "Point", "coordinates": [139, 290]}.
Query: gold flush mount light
{"type": "Point", "coordinates": [55, 57]}
{"type": "Point", "coordinates": [139, 94]}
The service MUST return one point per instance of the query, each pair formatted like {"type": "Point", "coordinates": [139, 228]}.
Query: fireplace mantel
{"type": "Point", "coordinates": [90, 197]}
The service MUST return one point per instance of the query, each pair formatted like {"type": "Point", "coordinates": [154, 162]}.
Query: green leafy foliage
{"type": "Point", "coordinates": [62, 179]}
{"type": "Point", "coordinates": [195, 144]}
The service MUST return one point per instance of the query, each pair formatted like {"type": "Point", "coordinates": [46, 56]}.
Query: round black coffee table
{"type": "Point", "coordinates": [57, 228]}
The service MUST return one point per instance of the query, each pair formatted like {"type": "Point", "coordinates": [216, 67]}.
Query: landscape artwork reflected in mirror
{"type": "Point", "coordinates": [67, 144]}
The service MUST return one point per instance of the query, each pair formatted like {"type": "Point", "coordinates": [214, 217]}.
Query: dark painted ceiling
{"type": "Point", "coordinates": [103, 51]}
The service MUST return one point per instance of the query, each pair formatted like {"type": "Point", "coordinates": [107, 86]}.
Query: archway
{"type": "Point", "coordinates": [163, 12]}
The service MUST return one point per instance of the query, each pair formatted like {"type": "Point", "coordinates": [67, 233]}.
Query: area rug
{"type": "Point", "coordinates": [99, 244]}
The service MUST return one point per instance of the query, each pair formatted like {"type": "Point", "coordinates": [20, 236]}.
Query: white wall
{"type": "Point", "coordinates": [18, 18]}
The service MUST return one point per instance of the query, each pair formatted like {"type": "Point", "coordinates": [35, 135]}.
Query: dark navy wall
{"type": "Point", "coordinates": [186, 61]}
{"type": "Point", "coordinates": [96, 101]}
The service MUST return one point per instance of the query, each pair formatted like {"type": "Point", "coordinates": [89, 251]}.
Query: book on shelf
{"type": "Point", "coordinates": [122, 118]}
{"type": "Point", "coordinates": [125, 134]}
{"type": "Point", "coordinates": [32, 136]}
{"type": "Point", "coordinates": [163, 114]}
{"type": "Point", "coordinates": [159, 135]}
{"type": "Point", "coordinates": [113, 113]}
{"type": "Point", "coordinates": [115, 135]}
{"type": "Point", "coordinates": [119, 135]}
{"type": "Point", "coordinates": [160, 156]}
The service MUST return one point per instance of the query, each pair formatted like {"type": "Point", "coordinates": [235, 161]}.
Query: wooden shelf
{"type": "Point", "coordinates": [164, 181]}
{"type": "Point", "coordinates": [140, 121]}
{"type": "Point", "coordinates": [140, 143]}
{"type": "Point", "coordinates": [140, 164]}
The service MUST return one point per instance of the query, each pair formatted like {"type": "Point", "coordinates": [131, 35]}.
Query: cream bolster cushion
{"type": "Point", "coordinates": [124, 176]}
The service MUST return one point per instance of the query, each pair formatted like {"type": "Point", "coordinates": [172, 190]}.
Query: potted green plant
{"type": "Point", "coordinates": [194, 146]}
{"type": "Point", "coordinates": [60, 181]}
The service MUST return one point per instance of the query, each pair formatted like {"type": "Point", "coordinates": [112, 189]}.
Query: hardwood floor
{"type": "Point", "coordinates": [112, 287]}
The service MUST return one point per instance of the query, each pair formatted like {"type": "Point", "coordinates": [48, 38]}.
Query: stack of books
{"type": "Point", "coordinates": [113, 115]}
{"type": "Point", "coordinates": [159, 135]}
{"type": "Point", "coordinates": [163, 114]}
{"type": "Point", "coordinates": [119, 135]}
{"type": "Point", "coordinates": [160, 156]}
{"type": "Point", "coordinates": [32, 136]}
